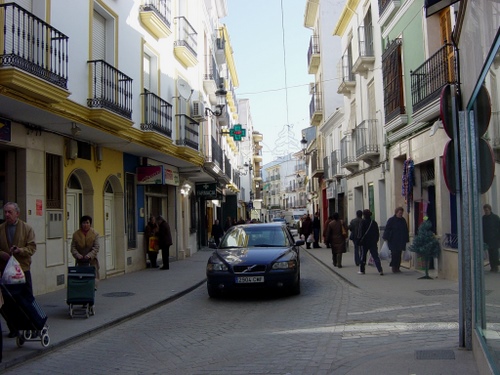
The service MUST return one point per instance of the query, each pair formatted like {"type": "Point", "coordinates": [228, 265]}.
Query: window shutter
{"type": "Point", "coordinates": [99, 37]}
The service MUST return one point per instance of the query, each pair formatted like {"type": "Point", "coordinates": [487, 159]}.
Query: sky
{"type": "Point", "coordinates": [264, 42]}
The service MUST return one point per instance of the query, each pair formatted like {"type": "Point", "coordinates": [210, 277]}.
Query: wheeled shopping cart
{"type": "Point", "coordinates": [23, 313]}
{"type": "Point", "coordinates": [81, 291]}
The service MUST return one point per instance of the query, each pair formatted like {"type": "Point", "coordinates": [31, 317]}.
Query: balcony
{"type": "Point", "coordinates": [155, 15]}
{"type": "Point", "coordinates": [387, 9]}
{"type": "Point", "coordinates": [326, 168]}
{"type": "Point", "coordinates": [313, 55]}
{"type": "Point", "coordinates": [185, 46]}
{"type": "Point", "coordinates": [347, 155]}
{"type": "Point", "coordinates": [220, 50]}
{"type": "Point", "coordinates": [346, 76]}
{"type": "Point", "coordinates": [366, 59]}
{"type": "Point", "coordinates": [211, 79]}
{"type": "Point", "coordinates": [336, 171]}
{"type": "Point", "coordinates": [227, 167]}
{"type": "Point", "coordinates": [257, 137]}
{"type": "Point", "coordinates": [157, 118]}
{"type": "Point", "coordinates": [34, 57]}
{"type": "Point", "coordinates": [111, 100]}
{"type": "Point", "coordinates": [188, 137]}
{"type": "Point", "coordinates": [428, 80]}
{"type": "Point", "coordinates": [316, 165]}
{"type": "Point", "coordinates": [367, 145]}
{"type": "Point", "coordinates": [316, 108]}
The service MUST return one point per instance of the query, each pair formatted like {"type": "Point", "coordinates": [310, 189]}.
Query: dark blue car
{"type": "Point", "coordinates": [255, 256]}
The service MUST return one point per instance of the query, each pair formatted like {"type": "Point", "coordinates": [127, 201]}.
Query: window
{"type": "Point", "coordinates": [393, 81]}
{"type": "Point", "coordinates": [53, 181]}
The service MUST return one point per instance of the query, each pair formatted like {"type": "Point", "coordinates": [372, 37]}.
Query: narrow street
{"type": "Point", "coordinates": [333, 327]}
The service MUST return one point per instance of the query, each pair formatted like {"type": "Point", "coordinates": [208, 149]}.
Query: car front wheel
{"type": "Point", "coordinates": [213, 292]}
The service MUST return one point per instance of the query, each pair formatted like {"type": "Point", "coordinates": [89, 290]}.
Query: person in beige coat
{"type": "Point", "coordinates": [85, 245]}
{"type": "Point", "coordinates": [17, 239]}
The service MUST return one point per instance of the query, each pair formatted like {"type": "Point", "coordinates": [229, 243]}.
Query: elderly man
{"type": "Point", "coordinates": [18, 239]}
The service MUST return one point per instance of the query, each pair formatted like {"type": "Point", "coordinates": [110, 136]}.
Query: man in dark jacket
{"type": "Point", "coordinates": [355, 228]}
{"type": "Point", "coordinates": [491, 235]}
{"type": "Point", "coordinates": [164, 241]}
{"type": "Point", "coordinates": [369, 241]}
{"type": "Point", "coordinates": [217, 232]}
{"type": "Point", "coordinates": [397, 236]}
{"type": "Point", "coordinates": [306, 229]}
{"type": "Point", "coordinates": [316, 230]}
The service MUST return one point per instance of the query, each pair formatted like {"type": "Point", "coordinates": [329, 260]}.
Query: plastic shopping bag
{"type": "Point", "coordinates": [13, 274]}
{"type": "Point", "coordinates": [310, 239]}
{"type": "Point", "coordinates": [385, 253]}
{"type": "Point", "coordinates": [153, 244]}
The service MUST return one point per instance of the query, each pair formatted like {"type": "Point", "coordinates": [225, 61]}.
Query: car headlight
{"type": "Point", "coordinates": [284, 265]}
{"type": "Point", "coordinates": [213, 267]}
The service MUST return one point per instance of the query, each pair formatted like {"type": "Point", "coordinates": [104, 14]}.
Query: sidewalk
{"type": "Point", "coordinates": [122, 297]}
{"type": "Point", "coordinates": [117, 299]}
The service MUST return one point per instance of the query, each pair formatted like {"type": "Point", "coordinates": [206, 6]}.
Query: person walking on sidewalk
{"type": "Point", "coordinates": [336, 239]}
{"type": "Point", "coordinates": [306, 230]}
{"type": "Point", "coordinates": [316, 230]}
{"type": "Point", "coordinates": [164, 241]}
{"type": "Point", "coordinates": [491, 235]}
{"type": "Point", "coordinates": [369, 242]}
{"type": "Point", "coordinates": [325, 231]}
{"type": "Point", "coordinates": [397, 236]}
{"type": "Point", "coordinates": [17, 239]}
{"type": "Point", "coordinates": [151, 239]}
{"type": "Point", "coordinates": [217, 232]}
{"type": "Point", "coordinates": [85, 246]}
{"type": "Point", "coordinates": [355, 228]}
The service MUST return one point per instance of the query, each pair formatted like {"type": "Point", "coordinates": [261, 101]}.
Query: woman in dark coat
{"type": "Point", "coordinates": [369, 242]}
{"type": "Point", "coordinates": [151, 230]}
{"type": "Point", "coordinates": [165, 241]}
{"type": "Point", "coordinates": [306, 229]}
{"type": "Point", "coordinates": [336, 239]}
{"type": "Point", "coordinates": [397, 236]}
{"type": "Point", "coordinates": [217, 232]}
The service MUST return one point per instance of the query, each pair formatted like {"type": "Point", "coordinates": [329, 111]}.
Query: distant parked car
{"type": "Point", "coordinates": [255, 256]}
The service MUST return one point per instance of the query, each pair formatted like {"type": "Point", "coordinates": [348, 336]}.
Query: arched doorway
{"type": "Point", "coordinates": [114, 236]}
{"type": "Point", "coordinates": [79, 193]}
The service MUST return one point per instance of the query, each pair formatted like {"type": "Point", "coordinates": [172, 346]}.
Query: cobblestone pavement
{"type": "Point", "coordinates": [340, 324]}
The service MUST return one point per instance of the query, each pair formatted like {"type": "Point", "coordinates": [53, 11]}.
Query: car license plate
{"type": "Point", "coordinates": [249, 279]}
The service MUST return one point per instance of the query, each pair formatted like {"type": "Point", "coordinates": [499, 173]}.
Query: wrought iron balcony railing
{"type": "Point", "coordinates": [365, 35]}
{"type": "Point", "coordinates": [188, 134]}
{"type": "Point", "coordinates": [217, 154]}
{"type": "Point", "coordinates": [366, 138]}
{"type": "Point", "coordinates": [111, 89]}
{"type": "Point", "coordinates": [34, 46]}
{"type": "Point", "coordinates": [163, 8]}
{"type": "Point", "coordinates": [157, 114]}
{"type": "Point", "coordinates": [430, 77]}
{"type": "Point", "coordinates": [186, 35]}
{"type": "Point", "coordinates": [347, 155]}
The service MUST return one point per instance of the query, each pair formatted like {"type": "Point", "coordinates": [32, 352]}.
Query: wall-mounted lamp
{"type": "Point", "coordinates": [75, 129]}
{"type": "Point", "coordinates": [185, 189]}
{"type": "Point", "coordinates": [303, 142]}
{"type": "Point", "coordinates": [221, 102]}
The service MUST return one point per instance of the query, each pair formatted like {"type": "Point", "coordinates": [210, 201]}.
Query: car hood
{"type": "Point", "coordinates": [262, 255]}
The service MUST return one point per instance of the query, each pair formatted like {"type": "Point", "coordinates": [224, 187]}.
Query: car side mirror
{"type": "Point", "coordinates": [299, 242]}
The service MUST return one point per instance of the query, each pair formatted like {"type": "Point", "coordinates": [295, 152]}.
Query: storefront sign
{"type": "Point", "coordinates": [207, 191]}
{"type": "Point", "coordinates": [150, 175]}
{"type": "Point", "coordinates": [171, 177]}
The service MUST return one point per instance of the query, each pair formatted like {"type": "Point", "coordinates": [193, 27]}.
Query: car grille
{"type": "Point", "coordinates": [245, 269]}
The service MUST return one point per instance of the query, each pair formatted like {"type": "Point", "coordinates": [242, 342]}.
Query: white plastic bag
{"type": "Point", "coordinates": [310, 239]}
{"type": "Point", "coordinates": [385, 253]}
{"type": "Point", "coordinates": [13, 274]}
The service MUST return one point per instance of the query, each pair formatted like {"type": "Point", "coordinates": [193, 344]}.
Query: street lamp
{"type": "Point", "coordinates": [221, 102]}
{"type": "Point", "coordinates": [303, 142]}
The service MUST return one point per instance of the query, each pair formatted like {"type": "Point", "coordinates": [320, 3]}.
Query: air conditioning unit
{"type": "Point", "coordinates": [198, 110]}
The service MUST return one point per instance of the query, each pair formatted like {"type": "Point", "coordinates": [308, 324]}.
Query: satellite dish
{"type": "Point", "coordinates": [183, 88]}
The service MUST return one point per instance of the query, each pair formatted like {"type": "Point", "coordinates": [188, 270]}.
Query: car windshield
{"type": "Point", "coordinates": [256, 236]}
